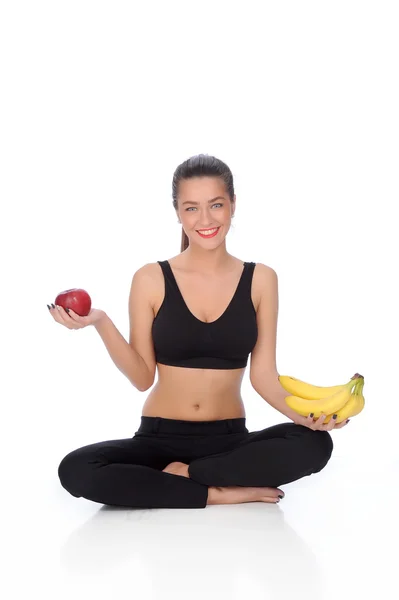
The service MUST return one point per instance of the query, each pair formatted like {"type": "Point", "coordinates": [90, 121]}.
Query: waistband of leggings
{"type": "Point", "coordinates": [162, 425]}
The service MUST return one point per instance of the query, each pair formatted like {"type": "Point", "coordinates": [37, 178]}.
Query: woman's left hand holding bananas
{"type": "Point", "coordinates": [317, 424]}
{"type": "Point", "coordinates": [323, 408]}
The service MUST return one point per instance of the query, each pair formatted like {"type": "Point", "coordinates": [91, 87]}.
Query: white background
{"type": "Point", "coordinates": [101, 101]}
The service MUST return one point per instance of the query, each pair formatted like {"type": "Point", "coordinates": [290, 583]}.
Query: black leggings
{"type": "Point", "coordinates": [128, 472]}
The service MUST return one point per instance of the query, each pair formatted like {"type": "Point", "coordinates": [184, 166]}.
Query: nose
{"type": "Point", "coordinates": [205, 221]}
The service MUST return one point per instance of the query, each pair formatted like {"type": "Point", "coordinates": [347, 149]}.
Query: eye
{"type": "Point", "coordinates": [216, 204]}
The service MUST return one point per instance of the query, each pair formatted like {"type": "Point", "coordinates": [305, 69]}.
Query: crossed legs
{"type": "Point", "coordinates": [136, 472]}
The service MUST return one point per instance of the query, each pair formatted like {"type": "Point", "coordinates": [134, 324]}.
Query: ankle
{"type": "Point", "coordinates": [215, 495]}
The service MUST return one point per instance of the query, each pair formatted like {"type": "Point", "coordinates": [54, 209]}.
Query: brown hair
{"type": "Point", "coordinates": [201, 165]}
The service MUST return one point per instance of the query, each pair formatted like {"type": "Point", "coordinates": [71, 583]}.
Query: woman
{"type": "Point", "coordinates": [197, 317]}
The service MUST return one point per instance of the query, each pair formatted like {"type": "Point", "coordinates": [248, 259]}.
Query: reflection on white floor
{"type": "Point", "coordinates": [333, 536]}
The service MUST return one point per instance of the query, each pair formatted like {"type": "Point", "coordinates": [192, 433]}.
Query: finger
{"type": "Point", "coordinates": [55, 313]}
{"type": "Point", "coordinates": [342, 424]}
{"type": "Point", "coordinates": [332, 423]}
{"type": "Point", "coordinates": [73, 315]}
{"type": "Point", "coordinates": [319, 422]}
{"type": "Point", "coordinates": [63, 314]}
{"type": "Point", "coordinates": [64, 318]}
{"type": "Point", "coordinates": [77, 319]}
{"type": "Point", "coordinates": [71, 319]}
{"type": "Point", "coordinates": [310, 421]}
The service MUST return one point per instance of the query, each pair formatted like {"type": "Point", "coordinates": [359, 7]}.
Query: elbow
{"type": "Point", "coordinates": [265, 382]}
{"type": "Point", "coordinates": [144, 388]}
{"type": "Point", "coordinates": [147, 378]}
{"type": "Point", "coordinates": [147, 384]}
{"type": "Point", "coordinates": [141, 386]}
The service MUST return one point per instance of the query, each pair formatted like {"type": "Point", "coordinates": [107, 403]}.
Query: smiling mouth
{"type": "Point", "coordinates": [213, 231]}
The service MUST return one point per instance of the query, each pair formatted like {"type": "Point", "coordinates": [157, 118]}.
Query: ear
{"type": "Point", "coordinates": [233, 206]}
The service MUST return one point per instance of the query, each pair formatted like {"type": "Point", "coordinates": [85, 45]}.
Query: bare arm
{"type": "Point", "coordinates": [127, 360]}
{"type": "Point", "coordinates": [136, 358]}
{"type": "Point", "coordinates": [263, 371]}
{"type": "Point", "coordinates": [273, 392]}
{"type": "Point", "coordinates": [263, 374]}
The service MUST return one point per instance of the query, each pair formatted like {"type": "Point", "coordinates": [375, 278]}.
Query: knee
{"type": "Point", "coordinates": [318, 442]}
{"type": "Point", "coordinates": [323, 448]}
{"type": "Point", "coordinates": [73, 473]}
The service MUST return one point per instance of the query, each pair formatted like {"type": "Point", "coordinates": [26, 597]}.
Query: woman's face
{"type": "Point", "coordinates": [203, 203]}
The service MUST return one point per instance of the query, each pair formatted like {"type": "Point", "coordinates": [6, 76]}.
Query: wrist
{"type": "Point", "coordinates": [102, 321]}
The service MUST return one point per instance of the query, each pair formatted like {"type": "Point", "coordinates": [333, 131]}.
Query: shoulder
{"type": "Point", "coordinates": [146, 278]}
{"type": "Point", "coordinates": [148, 270]}
{"type": "Point", "coordinates": [264, 283]}
{"type": "Point", "coordinates": [264, 272]}
{"type": "Point", "coordinates": [147, 273]}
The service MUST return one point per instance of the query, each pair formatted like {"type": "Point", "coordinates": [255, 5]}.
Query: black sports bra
{"type": "Point", "coordinates": [182, 340]}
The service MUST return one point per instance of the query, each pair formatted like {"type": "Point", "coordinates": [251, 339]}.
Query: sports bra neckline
{"type": "Point", "coordinates": [166, 262]}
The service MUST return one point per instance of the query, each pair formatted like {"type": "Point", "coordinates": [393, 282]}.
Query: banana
{"type": "Point", "coordinates": [354, 405]}
{"type": "Point", "coordinates": [327, 405]}
{"type": "Point", "coordinates": [296, 387]}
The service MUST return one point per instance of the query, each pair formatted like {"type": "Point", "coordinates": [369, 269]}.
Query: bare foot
{"type": "Point", "coordinates": [230, 494]}
{"type": "Point", "coordinates": [238, 495]}
{"type": "Point", "coordinates": [177, 468]}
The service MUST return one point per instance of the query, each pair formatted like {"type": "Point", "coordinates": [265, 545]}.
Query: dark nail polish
{"type": "Point", "coordinates": [67, 310]}
{"type": "Point", "coordinates": [347, 420]}
{"type": "Point", "coordinates": [311, 414]}
{"type": "Point", "coordinates": [49, 307]}
{"type": "Point", "coordinates": [335, 416]}
{"type": "Point", "coordinates": [280, 496]}
{"type": "Point", "coordinates": [53, 305]}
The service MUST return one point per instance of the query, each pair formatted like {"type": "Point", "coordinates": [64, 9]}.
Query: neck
{"type": "Point", "coordinates": [207, 261]}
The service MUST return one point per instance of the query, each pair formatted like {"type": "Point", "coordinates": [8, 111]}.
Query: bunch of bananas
{"type": "Point", "coordinates": [345, 400]}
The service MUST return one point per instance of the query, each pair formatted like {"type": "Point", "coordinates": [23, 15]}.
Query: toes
{"type": "Point", "coordinates": [270, 499]}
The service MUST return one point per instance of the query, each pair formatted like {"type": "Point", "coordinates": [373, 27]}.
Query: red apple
{"type": "Point", "coordinates": [76, 299]}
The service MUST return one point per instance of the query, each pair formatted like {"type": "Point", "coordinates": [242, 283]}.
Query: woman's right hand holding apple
{"type": "Point", "coordinates": [71, 320]}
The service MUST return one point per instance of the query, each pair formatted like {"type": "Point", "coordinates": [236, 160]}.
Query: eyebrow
{"type": "Point", "coordinates": [209, 201]}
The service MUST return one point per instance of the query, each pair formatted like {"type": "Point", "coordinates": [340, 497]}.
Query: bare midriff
{"type": "Point", "coordinates": [196, 394]}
